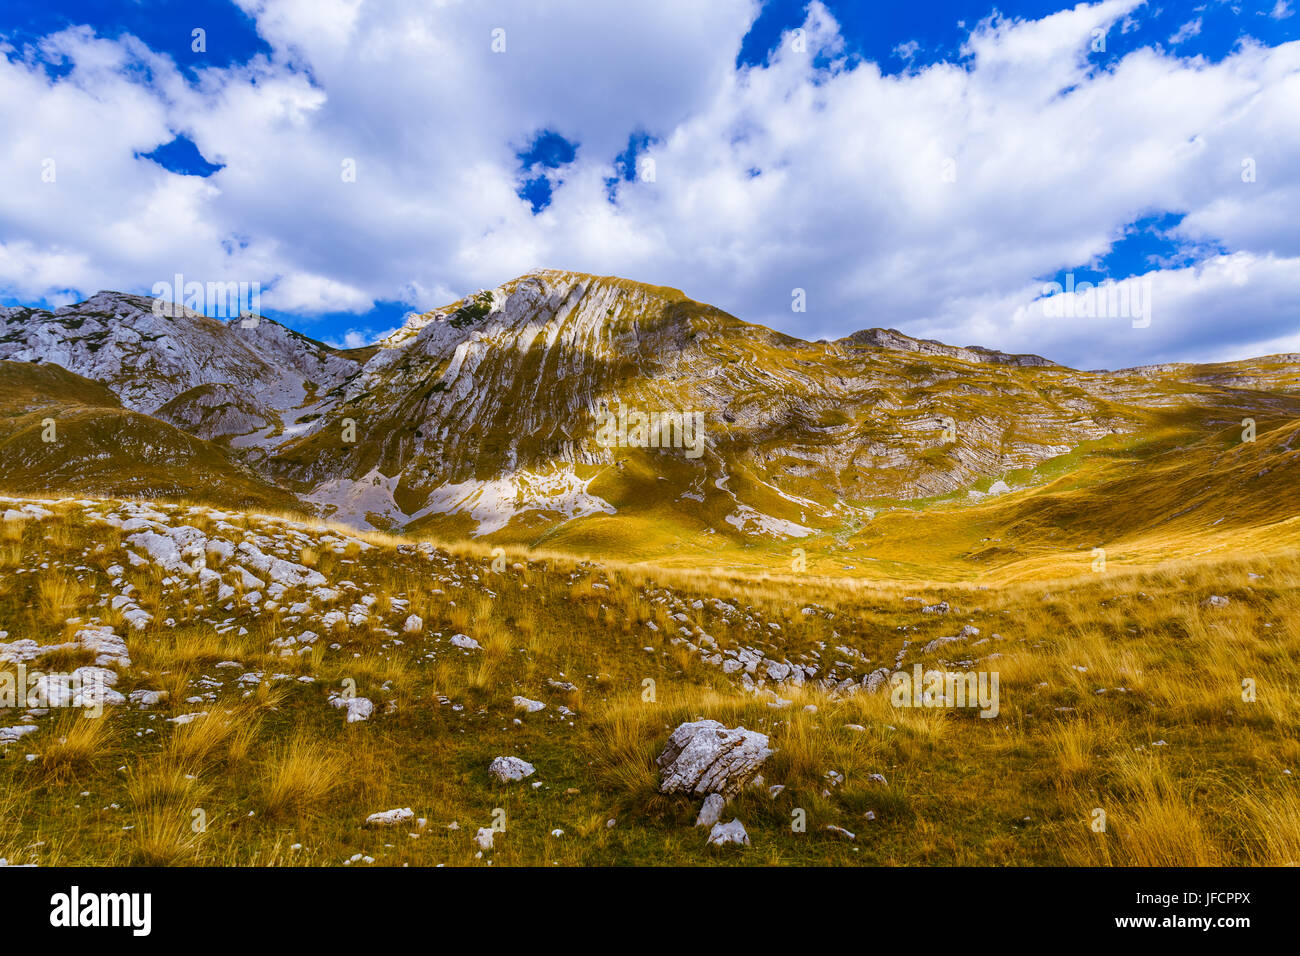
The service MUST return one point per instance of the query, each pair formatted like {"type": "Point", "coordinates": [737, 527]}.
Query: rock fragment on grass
{"type": "Point", "coordinates": [358, 708]}
{"type": "Point", "coordinates": [724, 833]}
{"type": "Point", "coordinates": [390, 818]}
{"type": "Point", "coordinates": [711, 812]}
{"type": "Point", "coordinates": [509, 769]}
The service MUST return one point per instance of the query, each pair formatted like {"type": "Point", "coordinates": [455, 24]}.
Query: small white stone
{"type": "Point", "coordinates": [390, 818]}
{"type": "Point", "coordinates": [711, 812]}
{"type": "Point", "coordinates": [507, 769]}
{"type": "Point", "coordinates": [733, 832]}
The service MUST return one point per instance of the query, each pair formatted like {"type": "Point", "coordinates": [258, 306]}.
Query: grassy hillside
{"type": "Point", "coordinates": [1121, 691]}
{"type": "Point", "coordinates": [59, 431]}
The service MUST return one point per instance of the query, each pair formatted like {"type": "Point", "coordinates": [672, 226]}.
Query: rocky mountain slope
{"type": "Point", "coordinates": [530, 413]}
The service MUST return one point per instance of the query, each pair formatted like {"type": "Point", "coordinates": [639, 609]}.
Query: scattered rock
{"type": "Point", "coordinates": [9, 734]}
{"type": "Point", "coordinates": [733, 832]}
{"type": "Point", "coordinates": [358, 708]}
{"type": "Point", "coordinates": [711, 812]}
{"type": "Point", "coordinates": [508, 769]}
{"type": "Point", "coordinates": [390, 818]}
{"type": "Point", "coordinates": [875, 680]}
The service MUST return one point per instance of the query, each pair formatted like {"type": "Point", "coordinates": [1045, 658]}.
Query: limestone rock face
{"type": "Point", "coordinates": [704, 757]}
{"type": "Point", "coordinates": [390, 818]}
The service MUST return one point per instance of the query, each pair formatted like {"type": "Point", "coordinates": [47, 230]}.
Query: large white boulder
{"type": "Point", "coordinates": [704, 757]}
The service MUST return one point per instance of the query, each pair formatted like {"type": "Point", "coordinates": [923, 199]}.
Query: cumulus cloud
{"type": "Point", "coordinates": [373, 155]}
{"type": "Point", "coordinates": [315, 294]}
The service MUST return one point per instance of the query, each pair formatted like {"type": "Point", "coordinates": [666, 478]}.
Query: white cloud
{"type": "Point", "coordinates": [1227, 307]}
{"type": "Point", "coordinates": [359, 338]}
{"type": "Point", "coordinates": [907, 50]}
{"type": "Point", "coordinates": [927, 201]}
{"type": "Point", "coordinates": [1188, 30]}
{"type": "Point", "coordinates": [314, 294]}
{"type": "Point", "coordinates": [1281, 10]}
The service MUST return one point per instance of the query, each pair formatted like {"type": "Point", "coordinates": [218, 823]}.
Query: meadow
{"type": "Point", "coordinates": [1140, 722]}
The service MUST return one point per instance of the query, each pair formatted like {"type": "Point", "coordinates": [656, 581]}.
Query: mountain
{"type": "Point", "coordinates": [529, 413]}
{"type": "Point", "coordinates": [154, 360]}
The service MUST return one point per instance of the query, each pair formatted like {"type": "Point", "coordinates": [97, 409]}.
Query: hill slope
{"type": "Point", "coordinates": [59, 430]}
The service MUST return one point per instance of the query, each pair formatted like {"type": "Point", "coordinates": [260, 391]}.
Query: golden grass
{"type": "Point", "coordinates": [78, 739]}
{"type": "Point", "coordinates": [161, 784]}
{"type": "Point", "coordinates": [165, 837]}
{"type": "Point", "coordinates": [57, 594]}
{"type": "Point", "coordinates": [210, 738]}
{"type": "Point", "coordinates": [301, 774]}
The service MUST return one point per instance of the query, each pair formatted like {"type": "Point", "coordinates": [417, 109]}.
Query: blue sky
{"type": "Point", "coordinates": [881, 157]}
